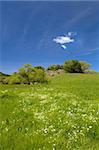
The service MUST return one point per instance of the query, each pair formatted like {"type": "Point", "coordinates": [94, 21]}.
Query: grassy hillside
{"type": "Point", "coordinates": [61, 115]}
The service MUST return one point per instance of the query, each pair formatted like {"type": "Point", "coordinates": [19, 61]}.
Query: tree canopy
{"type": "Point", "coordinates": [72, 66]}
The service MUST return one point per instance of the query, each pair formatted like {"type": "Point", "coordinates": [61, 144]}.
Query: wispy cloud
{"type": "Point", "coordinates": [76, 18]}
{"type": "Point", "coordinates": [62, 40]}
{"type": "Point", "coordinates": [94, 49]}
{"type": "Point", "coordinates": [87, 52]}
{"type": "Point", "coordinates": [91, 51]}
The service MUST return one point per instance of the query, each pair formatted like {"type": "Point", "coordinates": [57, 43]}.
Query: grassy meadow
{"type": "Point", "coordinates": [60, 115]}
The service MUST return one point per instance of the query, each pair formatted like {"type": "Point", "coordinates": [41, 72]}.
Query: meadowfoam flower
{"type": "Point", "coordinates": [45, 130]}
{"type": "Point", "coordinates": [39, 116]}
{"type": "Point", "coordinates": [90, 127]}
{"type": "Point", "coordinates": [54, 145]}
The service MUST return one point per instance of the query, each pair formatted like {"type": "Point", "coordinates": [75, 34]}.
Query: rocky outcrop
{"type": "Point", "coordinates": [53, 73]}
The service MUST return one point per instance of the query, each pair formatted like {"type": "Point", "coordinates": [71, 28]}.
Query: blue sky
{"type": "Point", "coordinates": [29, 29]}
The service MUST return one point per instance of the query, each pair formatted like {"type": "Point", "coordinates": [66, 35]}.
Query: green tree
{"type": "Point", "coordinates": [29, 74]}
{"type": "Point", "coordinates": [40, 76]}
{"type": "Point", "coordinates": [72, 66]}
{"type": "Point", "coordinates": [24, 73]}
{"type": "Point", "coordinates": [84, 66]}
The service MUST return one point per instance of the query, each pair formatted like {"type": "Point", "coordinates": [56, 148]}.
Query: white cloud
{"type": "Point", "coordinates": [63, 46]}
{"type": "Point", "coordinates": [63, 39]}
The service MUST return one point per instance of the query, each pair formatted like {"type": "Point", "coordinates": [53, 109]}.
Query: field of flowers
{"type": "Point", "coordinates": [60, 115]}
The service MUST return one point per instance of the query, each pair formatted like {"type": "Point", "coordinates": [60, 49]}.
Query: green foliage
{"type": "Point", "coordinates": [3, 78]}
{"type": "Point", "coordinates": [75, 66]}
{"type": "Point", "coordinates": [6, 80]}
{"type": "Point", "coordinates": [72, 66]}
{"type": "Point", "coordinates": [39, 67]}
{"type": "Point", "coordinates": [14, 79]}
{"type": "Point", "coordinates": [55, 67]}
{"type": "Point", "coordinates": [26, 75]}
{"type": "Point", "coordinates": [40, 76]}
{"type": "Point", "coordinates": [84, 65]}
{"type": "Point", "coordinates": [30, 75]}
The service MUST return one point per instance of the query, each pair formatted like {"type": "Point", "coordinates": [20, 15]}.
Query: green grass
{"type": "Point", "coordinates": [60, 115]}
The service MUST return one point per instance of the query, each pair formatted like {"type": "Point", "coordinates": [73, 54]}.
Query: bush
{"type": "Point", "coordinates": [39, 67]}
{"type": "Point", "coordinates": [26, 75]}
{"type": "Point", "coordinates": [72, 66]}
{"type": "Point", "coordinates": [6, 80]}
{"type": "Point", "coordinates": [14, 79]}
{"type": "Point", "coordinates": [40, 76]}
{"type": "Point", "coordinates": [29, 74]}
{"type": "Point", "coordinates": [2, 79]}
{"type": "Point", "coordinates": [55, 67]}
{"type": "Point", "coordinates": [84, 66]}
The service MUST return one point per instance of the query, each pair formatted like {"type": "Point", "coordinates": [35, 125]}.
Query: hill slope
{"type": "Point", "coordinates": [61, 115]}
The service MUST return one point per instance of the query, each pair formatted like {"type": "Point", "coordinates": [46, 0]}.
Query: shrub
{"type": "Point", "coordinates": [29, 74]}
{"type": "Point", "coordinates": [40, 76]}
{"type": "Point", "coordinates": [39, 67]}
{"type": "Point", "coordinates": [6, 80]}
{"type": "Point", "coordinates": [55, 67]}
{"type": "Point", "coordinates": [84, 65]}
{"type": "Point", "coordinates": [72, 66]}
{"type": "Point", "coordinates": [14, 79]}
{"type": "Point", "coordinates": [3, 78]}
